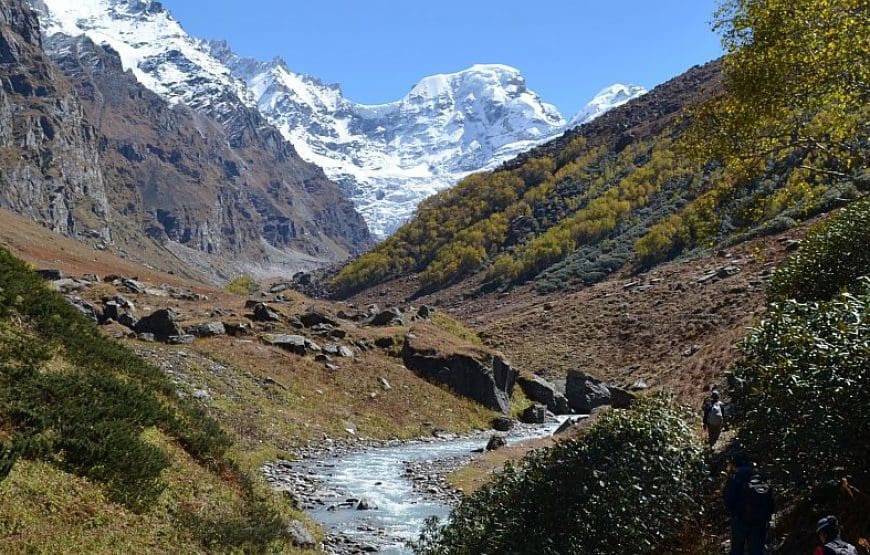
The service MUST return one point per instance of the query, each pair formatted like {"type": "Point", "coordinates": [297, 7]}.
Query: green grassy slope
{"type": "Point", "coordinates": [104, 455]}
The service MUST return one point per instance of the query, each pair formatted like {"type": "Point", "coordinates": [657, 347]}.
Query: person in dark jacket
{"type": "Point", "coordinates": [828, 530]}
{"type": "Point", "coordinates": [749, 503]}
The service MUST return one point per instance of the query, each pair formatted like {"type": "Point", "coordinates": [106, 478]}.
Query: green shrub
{"type": "Point", "coordinates": [830, 259]}
{"type": "Point", "coordinates": [87, 418]}
{"type": "Point", "coordinates": [8, 456]}
{"type": "Point", "coordinates": [242, 285]}
{"type": "Point", "coordinates": [627, 486]}
{"type": "Point", "coordinates": [803, 384]}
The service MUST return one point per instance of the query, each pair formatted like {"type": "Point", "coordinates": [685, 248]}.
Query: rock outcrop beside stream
{"type": "Point", "coordinates": [586, 393]}
{"type": "Point", "coordinates": [541, 391]}
{"type": "Point", "coordinates": [484, 377]}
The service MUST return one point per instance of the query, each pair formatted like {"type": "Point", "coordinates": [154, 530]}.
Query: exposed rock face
{"type": "Point", "coordinates": [541, 391]}
{"type": "Point", "coordinates": [231, 189]}
{"type": "Point", "coordinates": [90, 152]}
{"type": "Point", "coordinates": [51, 171]}
{"type": "Point", "coordinates": [388, 157]}
{"type": "Point", "coordinates": [487, 379]}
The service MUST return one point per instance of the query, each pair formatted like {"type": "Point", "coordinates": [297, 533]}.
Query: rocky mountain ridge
{"type": "Point", "coordinates": [92, 153]}
{"type": "Point", "coordinates": [387, 157]}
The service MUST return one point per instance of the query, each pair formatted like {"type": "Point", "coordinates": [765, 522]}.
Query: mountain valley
{"type": "Point", "coordinates": [241, 313]}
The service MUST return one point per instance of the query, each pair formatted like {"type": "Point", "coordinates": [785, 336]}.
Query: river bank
{"type": "Point", "coordinates": [375, 496]}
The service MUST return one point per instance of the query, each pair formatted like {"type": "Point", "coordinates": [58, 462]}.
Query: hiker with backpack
{"type": "Point", "coordinates": [828, 531]}
{"type": "Point", "coordinates": [714, 417]}
{"type": "Point", "coordinates": [749, 500]}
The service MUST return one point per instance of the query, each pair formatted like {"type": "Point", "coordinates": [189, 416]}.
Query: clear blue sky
{"type": "Point", "coordinates": [377, 49]}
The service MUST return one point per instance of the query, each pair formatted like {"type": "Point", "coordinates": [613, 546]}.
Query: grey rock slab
{"type": "Point", "coordinates": [299, 535]}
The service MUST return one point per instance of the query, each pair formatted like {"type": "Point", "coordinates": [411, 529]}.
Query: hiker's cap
{"type": "Point", "coordinates": [829, 521]}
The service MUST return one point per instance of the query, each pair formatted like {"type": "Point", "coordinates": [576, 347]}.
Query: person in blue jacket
{"type": "Point", "coordinates": [749, 501]}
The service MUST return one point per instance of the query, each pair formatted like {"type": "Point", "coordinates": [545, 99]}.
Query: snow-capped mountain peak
{"type": "Point", "coordinates": [390, 156]}
{"type": "Point", "coordinates": [387, 157]}
{"type": "Point", "coordinates": [154, 46]}
{"type": "Point", "coordinates": [606, 99]}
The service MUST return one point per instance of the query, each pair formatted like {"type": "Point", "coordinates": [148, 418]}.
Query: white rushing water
{"type": "Point", "coordinates": [378, 475]}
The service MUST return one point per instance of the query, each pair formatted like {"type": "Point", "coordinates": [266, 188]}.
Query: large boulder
{"type": "Point", "coordinates": [162, 323]}
{"type": "Point", "coordinates": [425, 312]}
{"type": "Point", "coordinates": [299, 535]}
{"type": "Point", "coordinates": [390, 317]}
{"type": "Point", "coordinates": [495, 442]}
{"type": "Point", "coordinates": [502, 423]}
{"type": "Point", "coordinates": [484, 377]}
{"type": "Point", "coordinates": [207, 329]}
{"type": "Point", "coordinates": [115, 311]}
{"type": "Point", "coordinates": [585, 393]}
{"type": "Point", "coordinates": [133, 286]}
{"type": "Point", "coordinates": [84, 307]}
{"type": "Point", "coordinates": [534, 414]}
{"type": "Point", "coordinates": [264, 313]}
{"type": "Point", "coordinates": [50, 274]}
{"type": "Point", "coordinates": [313, 318]}
{"type": "Point", "coordinates": [541, 391]}
{"type": "Point", "coordinates": [293, 343]}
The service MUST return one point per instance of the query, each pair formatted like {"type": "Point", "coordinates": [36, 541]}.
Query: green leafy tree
{"type": "Point", "coordinates": [797, 75]}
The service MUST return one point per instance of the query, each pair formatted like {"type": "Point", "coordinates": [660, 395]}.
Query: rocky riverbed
{"type": "Point", "coordinates": [375, 496]}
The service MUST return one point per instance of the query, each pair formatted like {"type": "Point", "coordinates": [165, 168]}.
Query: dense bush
{"type": "Point", "coordinates": [803, 384]}
{"type": "Point", "coordinates": [242, 285]}
{"type": "Point", "coordinates": [627, 486]}
{"type": "Point", "coordinates": [73, 397]}
{"type": "Point", "coordinates": [831, 258]}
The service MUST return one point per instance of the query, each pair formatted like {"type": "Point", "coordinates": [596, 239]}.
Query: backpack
{"type": "Point", "coordinates": [839, 547]}
{"type": "Point", "coordinates": [715, 415]}
{"type": "Point", "coordinates": [756, 501]}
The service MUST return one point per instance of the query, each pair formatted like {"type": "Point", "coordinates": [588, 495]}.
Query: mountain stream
{"type": "Point", "coordinates": [381, 477]}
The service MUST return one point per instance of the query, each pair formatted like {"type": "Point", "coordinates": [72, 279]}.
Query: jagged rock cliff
{"type": "Point", "coordinates": [49, 165]}
{"type": "Point", "coordinates": [185, 181]}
